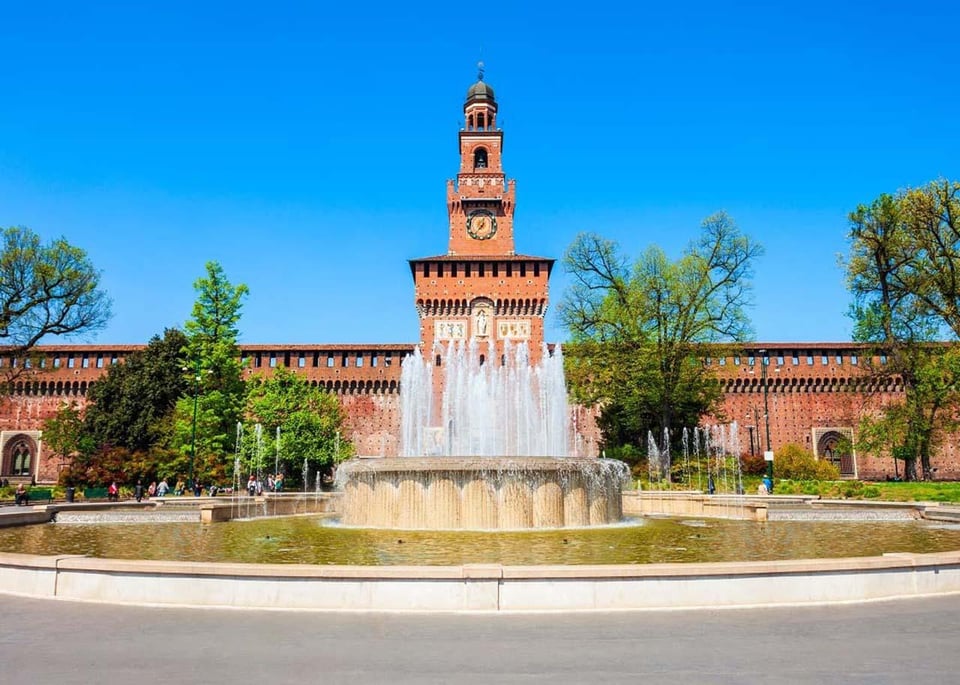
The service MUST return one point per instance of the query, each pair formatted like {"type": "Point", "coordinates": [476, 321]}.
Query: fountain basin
{"type": "Point", "coordinates": [481, 493]}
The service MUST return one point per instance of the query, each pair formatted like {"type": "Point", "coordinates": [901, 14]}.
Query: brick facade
{"type": "Point", "coordinates": [814, 392]}
{"type": "Point", "coordinates": [482, 290]}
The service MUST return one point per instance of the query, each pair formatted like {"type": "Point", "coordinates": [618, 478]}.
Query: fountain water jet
{"type": "Point", "coordinates": [491, 452]}
{"type": "Point", "coordinates": [485, 409]}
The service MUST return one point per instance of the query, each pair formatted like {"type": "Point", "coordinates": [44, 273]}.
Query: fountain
{"type": "Point", "coordinates": [491, 453]}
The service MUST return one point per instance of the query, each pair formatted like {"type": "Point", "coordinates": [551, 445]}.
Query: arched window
{"type": "Point", "coordinates": [439, 360]}
{"type": "Point", "coordinates": [480, 158]}
{"type": "Point", "coordinates": [21, 458]}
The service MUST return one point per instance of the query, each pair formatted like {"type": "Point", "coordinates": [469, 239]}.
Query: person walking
{"type": "Point", "coordinates": [138, 490]}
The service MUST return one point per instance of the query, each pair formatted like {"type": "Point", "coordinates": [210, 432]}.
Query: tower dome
{"type": "Point", "coordinates": [480, 91]}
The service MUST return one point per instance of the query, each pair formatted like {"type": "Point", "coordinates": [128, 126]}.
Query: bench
{"type": "Point", "coordinates": [94, 493]}
{"type": "Point", "coordinates": [35, 495]}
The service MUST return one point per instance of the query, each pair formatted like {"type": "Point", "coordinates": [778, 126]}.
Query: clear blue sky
{"type": "Point", "coordinates": [305, 146]}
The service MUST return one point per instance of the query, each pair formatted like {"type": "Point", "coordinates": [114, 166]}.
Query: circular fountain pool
{"type": "Point", "coordinates": [316, 540]}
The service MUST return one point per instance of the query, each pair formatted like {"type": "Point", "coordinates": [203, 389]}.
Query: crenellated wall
{"type": "Point", "coordinates": [816, 393]}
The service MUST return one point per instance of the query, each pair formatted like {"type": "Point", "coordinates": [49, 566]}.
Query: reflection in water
{"type": "Point", "coordinates": [313, 540]}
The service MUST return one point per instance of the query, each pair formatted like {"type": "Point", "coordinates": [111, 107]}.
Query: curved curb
{"type": "Point", "coordinates": [481, 587]}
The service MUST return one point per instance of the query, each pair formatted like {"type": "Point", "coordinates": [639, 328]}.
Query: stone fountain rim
{"type": "Point", "coordinates": [478, 464]}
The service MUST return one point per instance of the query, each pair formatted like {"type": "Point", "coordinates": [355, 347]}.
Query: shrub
{"type": "Point", "coordinates": [852, 489]}
{"type": "Point", "coordinates": [630, 454]}
{"type": "Point", "coordinates": [792, 461]}
{"type": "Point", "coordinates": [753, 465]}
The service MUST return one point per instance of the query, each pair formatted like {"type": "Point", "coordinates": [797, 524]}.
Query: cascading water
{"type": "Point", "coordinates": [491, 452]}
{"type": "Point", "coordinates": [486, 409]}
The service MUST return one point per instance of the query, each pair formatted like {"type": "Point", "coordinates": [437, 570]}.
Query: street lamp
{"type": "Point", "coordinates": [193, 429]}
{"type": "Point", "coordinates": [768, 454]}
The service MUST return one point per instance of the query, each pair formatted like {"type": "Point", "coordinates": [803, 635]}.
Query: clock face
{"type": "Point", "coordinates": [481, 224]}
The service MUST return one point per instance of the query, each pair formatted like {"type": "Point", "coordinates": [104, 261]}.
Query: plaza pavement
{"type": "Point", "coordinates": [902, 641]}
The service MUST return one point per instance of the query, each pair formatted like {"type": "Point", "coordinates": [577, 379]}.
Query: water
{"type": "Point", "coordinates": [718, 460]}
{"type": "Point", "coordinates": [312, 540]}
{"type": "Point", "coordinates": [486, 408]}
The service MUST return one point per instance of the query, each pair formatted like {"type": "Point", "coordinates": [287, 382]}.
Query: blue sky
{"type": "Point", "coordinates": [306, 147]}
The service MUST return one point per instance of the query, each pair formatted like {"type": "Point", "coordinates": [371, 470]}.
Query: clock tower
{"type": "Point", "coordinates": [481, 290]}
{"type": "Point", "coordinates": [480, 202]}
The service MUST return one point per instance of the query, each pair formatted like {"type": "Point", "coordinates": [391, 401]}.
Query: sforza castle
{"type": "Point", "coordinates": [483, 289]}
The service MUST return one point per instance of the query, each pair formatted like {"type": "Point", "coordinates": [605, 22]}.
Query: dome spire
{"type": "Point", "coordinates": [481, 90]}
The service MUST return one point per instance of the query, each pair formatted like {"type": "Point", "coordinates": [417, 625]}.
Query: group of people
{"type": "Point", "coordinates": [140, 492]}
{"type": "Point", "coordinates": [152, 490]}
{"type": "Point", "coordinates": [255, 485]}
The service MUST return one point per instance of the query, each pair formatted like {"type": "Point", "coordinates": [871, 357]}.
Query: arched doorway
{"type": "Point", "coordinates": [836, 446]}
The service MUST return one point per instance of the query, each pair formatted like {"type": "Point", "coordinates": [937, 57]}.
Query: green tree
{"type": "Point", "coordinates": [128, 418]}
{"type": "Point", "coordinates": [637, 331]}
{"type": "Point", "coordinates": [902, 273]}
{"type": "Point", "coordinates": [212, 330]}
{"type": "Point", "coordinates": [63, 435]}
{"type": "Point", "coordinates": [309, 418]}
{"type": "Point", "coordinates": [131, 405]}
{"type": "Point", "coordinates": [931, 274]}
{"type": "Point", "coordinates": [211, 366]}
{"type": "Point", "coordinates": [46, 290]}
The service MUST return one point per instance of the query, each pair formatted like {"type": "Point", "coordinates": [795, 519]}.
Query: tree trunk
{"type": "Point", "coordinates": [924, 446]}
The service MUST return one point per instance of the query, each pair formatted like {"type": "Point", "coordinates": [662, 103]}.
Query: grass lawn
{"type": "Point", "coordinates": [935, 491]}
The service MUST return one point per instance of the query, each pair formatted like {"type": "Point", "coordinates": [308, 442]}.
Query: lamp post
{"type": "Point", "coordinates": [276, 458]}
{"type": "Point", "coordinates": [193, 429]}
{"type": "Point", "coordinates": [768, 454]}
{"type": "Point", "coordinates": [756, 443]}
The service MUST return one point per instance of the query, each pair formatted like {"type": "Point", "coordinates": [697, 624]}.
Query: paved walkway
{"type": "Point", "coordinates": [907, 641]}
